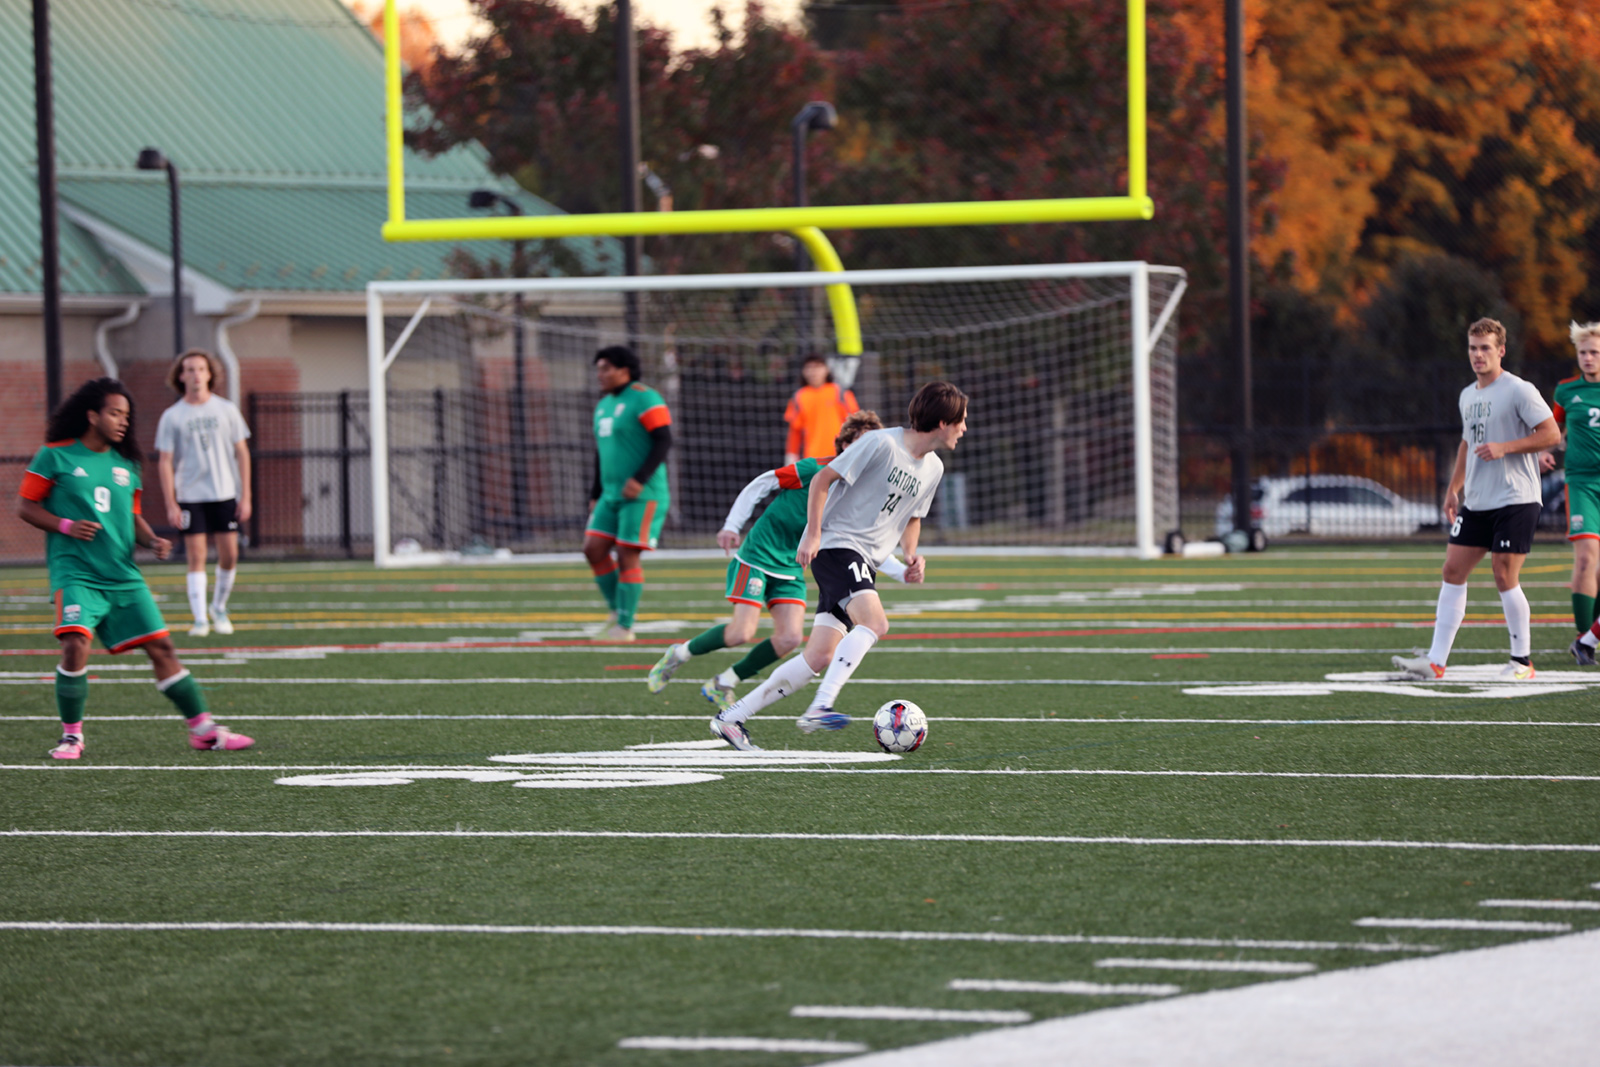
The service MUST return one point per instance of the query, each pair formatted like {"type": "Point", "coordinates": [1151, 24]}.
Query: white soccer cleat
{"type": "Point", "coordinates": [734, 733]}
{"type": "Point", "coordinates": [200, 629]}
{"type": "Point", "coordinates": [822, 718]}
{"type": "Point", "coordinates": [221, 624]}
{"type": "Point", "coordinates": [1517, 672]}
{"type": "Point", "coordinates": [1418, 668]}
{"type": "Point", "coordinates": [616, 635]}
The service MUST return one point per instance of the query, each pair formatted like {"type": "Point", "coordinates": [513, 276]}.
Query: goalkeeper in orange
{"type": "Point", "coordinates": [816, 412]}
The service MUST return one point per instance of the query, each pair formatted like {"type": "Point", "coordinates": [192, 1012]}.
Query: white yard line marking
{"type": "Point", "coordinates": [741, 1044]}
{"type": "Point", "coordinates": [893, 1014]}
{"type": "Point", "coordinates": [1509, 691]}
{"type": "Point", "coordinates": [1546, 905]}
{"type": "Point", "coordinates": [1085, 989]}
{"type": "Point", "coordinates": [1508, 925]}
{"type": "Point", "coordinates": [986, 839]}
{"type": "Point", "coordinates": [1246, 966]}
{"type": "Point", "coordinates": [725, 760]}
{"type": "Point", "coordinates": [985, 936]}
{"type": "Point", "coordinates": [167, 719]}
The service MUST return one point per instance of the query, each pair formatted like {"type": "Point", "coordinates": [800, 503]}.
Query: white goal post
{"type": "Point", "coordinates": [481, 393]}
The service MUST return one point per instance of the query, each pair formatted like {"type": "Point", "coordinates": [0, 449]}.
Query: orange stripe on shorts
{"type": "Point", "coordinates": [644, 526]}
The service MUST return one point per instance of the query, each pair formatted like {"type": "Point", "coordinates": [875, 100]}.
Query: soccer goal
{"type": "Point", "coordinates": [482, 394]}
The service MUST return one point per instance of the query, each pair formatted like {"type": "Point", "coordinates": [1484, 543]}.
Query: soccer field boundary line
{"type": "Point", "coordinates": [809, 933]}
{"type": "Point", "coordinates": [1557, 682]}
{"type": "Point", "coordinates": [1007, 772]}
{"type": "Point", "coordinates": [319, 653]}
{"type": "Point", "coordinates": [984, 719]}
{"type": "Point", "coordinates": [936, 839]}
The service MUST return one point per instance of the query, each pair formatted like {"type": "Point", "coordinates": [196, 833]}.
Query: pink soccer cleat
{"type": "Point", "coordinates": [71, 747]}
{"type": "Point", "coordinates": [221, 739]}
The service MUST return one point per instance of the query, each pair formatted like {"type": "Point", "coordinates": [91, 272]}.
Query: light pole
{"type": "Point", "coordinates": [817, 115]}
{"type": "Point", "coordinates": [482, 200]}
{"type": "Point", "coordinates": [152, 159]}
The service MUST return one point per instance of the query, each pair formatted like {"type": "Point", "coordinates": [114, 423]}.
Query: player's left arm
{"type": "Point", "coordinates": [916, 566]}
{"type": "Point", "coordinates": [1546, 435]}
{"type": "Point", "coordinates": [658, 421]}
{"type": "Point", "coordinates": [241, 453]}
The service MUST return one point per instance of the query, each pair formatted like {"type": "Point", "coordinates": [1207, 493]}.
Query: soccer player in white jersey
{"type": "Point", "coordinates": [865, 500]}
{"type": "Point", "coordinates": [204, 467]}
{"type": "Point", "coordinates": [1493, 501]}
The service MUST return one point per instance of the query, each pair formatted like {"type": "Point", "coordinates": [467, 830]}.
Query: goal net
{"type": "Point", "coordinates": [482, 395]}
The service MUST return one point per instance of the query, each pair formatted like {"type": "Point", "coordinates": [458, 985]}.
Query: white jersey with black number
{"type": "Point", "coordinates": [200, 438]}
{"type": "Point", "coordinates": [881, 488]}
{"type": "Point", "coordinates": [1507, 409]}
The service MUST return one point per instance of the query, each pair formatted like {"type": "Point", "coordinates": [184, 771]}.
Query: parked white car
{"type": "Point", "coordinates": [1332, 505]}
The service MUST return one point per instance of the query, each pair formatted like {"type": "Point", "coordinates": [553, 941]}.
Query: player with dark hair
{"type": "Point", "coordinates": [83, 490]}
{"type": "Point", "coordinates": [204, 467]}
{"type": "Point", "coordinates": [629, 497]}
{"type": "Point", "coordinates": [1492, 502]}
{"type": "Point", "coordinates": [763, 572]}
{"type": "Point", "coordinates": [856, 509]}
{"type": "Point", "coordinates": [816, 411]}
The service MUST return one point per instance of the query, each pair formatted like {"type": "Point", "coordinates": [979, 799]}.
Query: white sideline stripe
{"type": "Point", "coordinates": [679, 835]}
{"type": "Point", "coordinates": [49, 679]}
{"type": "Point", "coordinates": [661, 760]}
{"type": "Point", "coordinates": [1085, 989]}
{"type": "Point", "coordinates": [740, 1044]}
{"type": "Point", "coordinates": [1248, 966]}
{"type": "Point", "coordinates": [379, 716]}
{"type": "Point", "coordinates": [1547, 905]}
{"type": "Point", "coordinates": [986, 936]}
{"type": "Point", "coordinates": [893, 1014]}
{"type": "Point", "coordinates": [1510, 925]}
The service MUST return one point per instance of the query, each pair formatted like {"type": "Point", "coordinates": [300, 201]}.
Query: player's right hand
{"type": "Point", "coordinates": [1452, 504]}
{"type": "Point", "coordinates": [727, 540]}
{"type": "Point", "coordinates": [175, 516]}
{"type": "Point", "coordinates": [84, 530]}
{"type": "Point", "coordinates": [810, 545]}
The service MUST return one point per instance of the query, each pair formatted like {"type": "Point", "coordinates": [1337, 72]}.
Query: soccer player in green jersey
{"type": "Point", "coordinates": [83, 490]}
{"type": "Point", "coordinates": [629, 498]}
{"type": "Point", "coordinates": [1577, 410]}
{"type": "Point", "coordinates": [762, 573]}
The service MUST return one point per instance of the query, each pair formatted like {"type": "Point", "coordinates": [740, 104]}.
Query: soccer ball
{"type": "Point", "coordinates": [900, 726]}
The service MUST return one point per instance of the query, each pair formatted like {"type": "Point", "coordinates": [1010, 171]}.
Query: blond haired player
{"type": "Point", "coordinates": [1577, 408]}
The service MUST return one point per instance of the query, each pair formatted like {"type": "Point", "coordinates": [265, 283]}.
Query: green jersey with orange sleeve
{"type": "Point", "coordinates": [1577, 411]}
{"type": "Point", "coordinates": [771, 543]}
{"type": "Point", "coordinates": [622, 424]}
{"type": "Point", "coordinates": [78, 483]}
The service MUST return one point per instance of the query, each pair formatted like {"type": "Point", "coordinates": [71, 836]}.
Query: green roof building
{"type": "Point", "coordinates": [272, 111]}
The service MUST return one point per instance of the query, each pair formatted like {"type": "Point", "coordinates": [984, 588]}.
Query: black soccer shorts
{"type": "Point", "coordinates": [841, 574]}
{"type": "Point", "coordinates": [210, 516]}
{"type": "Point", "coordinates": [1501, 530]}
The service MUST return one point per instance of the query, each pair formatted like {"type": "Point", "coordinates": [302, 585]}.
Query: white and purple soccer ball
{"type": "Point", "coordinates": [900, 726]}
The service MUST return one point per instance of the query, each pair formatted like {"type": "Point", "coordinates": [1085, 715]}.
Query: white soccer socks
{"type": "Point", "coordinates": [1452, 609]}
{"type": "Point", "coordinates": [219, 599]}
{"type": "Point", "coordinates": [789, 676]}
{"type": "Point", "coordinates": [197, 593]}
{"type": "Point", "coordinates": [856, 644]}
{"type": "Point", "coordinates": [1519, 621]}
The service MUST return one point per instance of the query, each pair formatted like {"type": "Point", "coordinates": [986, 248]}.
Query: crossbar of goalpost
{"type": "Point", "coordinates": [1136, 204]}
{"type": "Point", "coordinates": [1144, 337]}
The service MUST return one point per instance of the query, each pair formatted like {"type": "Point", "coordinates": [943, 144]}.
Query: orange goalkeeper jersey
{"type": "Point", "coordinates": [814, 415]}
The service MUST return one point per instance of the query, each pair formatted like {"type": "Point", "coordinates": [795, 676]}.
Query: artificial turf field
{"type": "Point", "coordinates": [1137, 773]}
